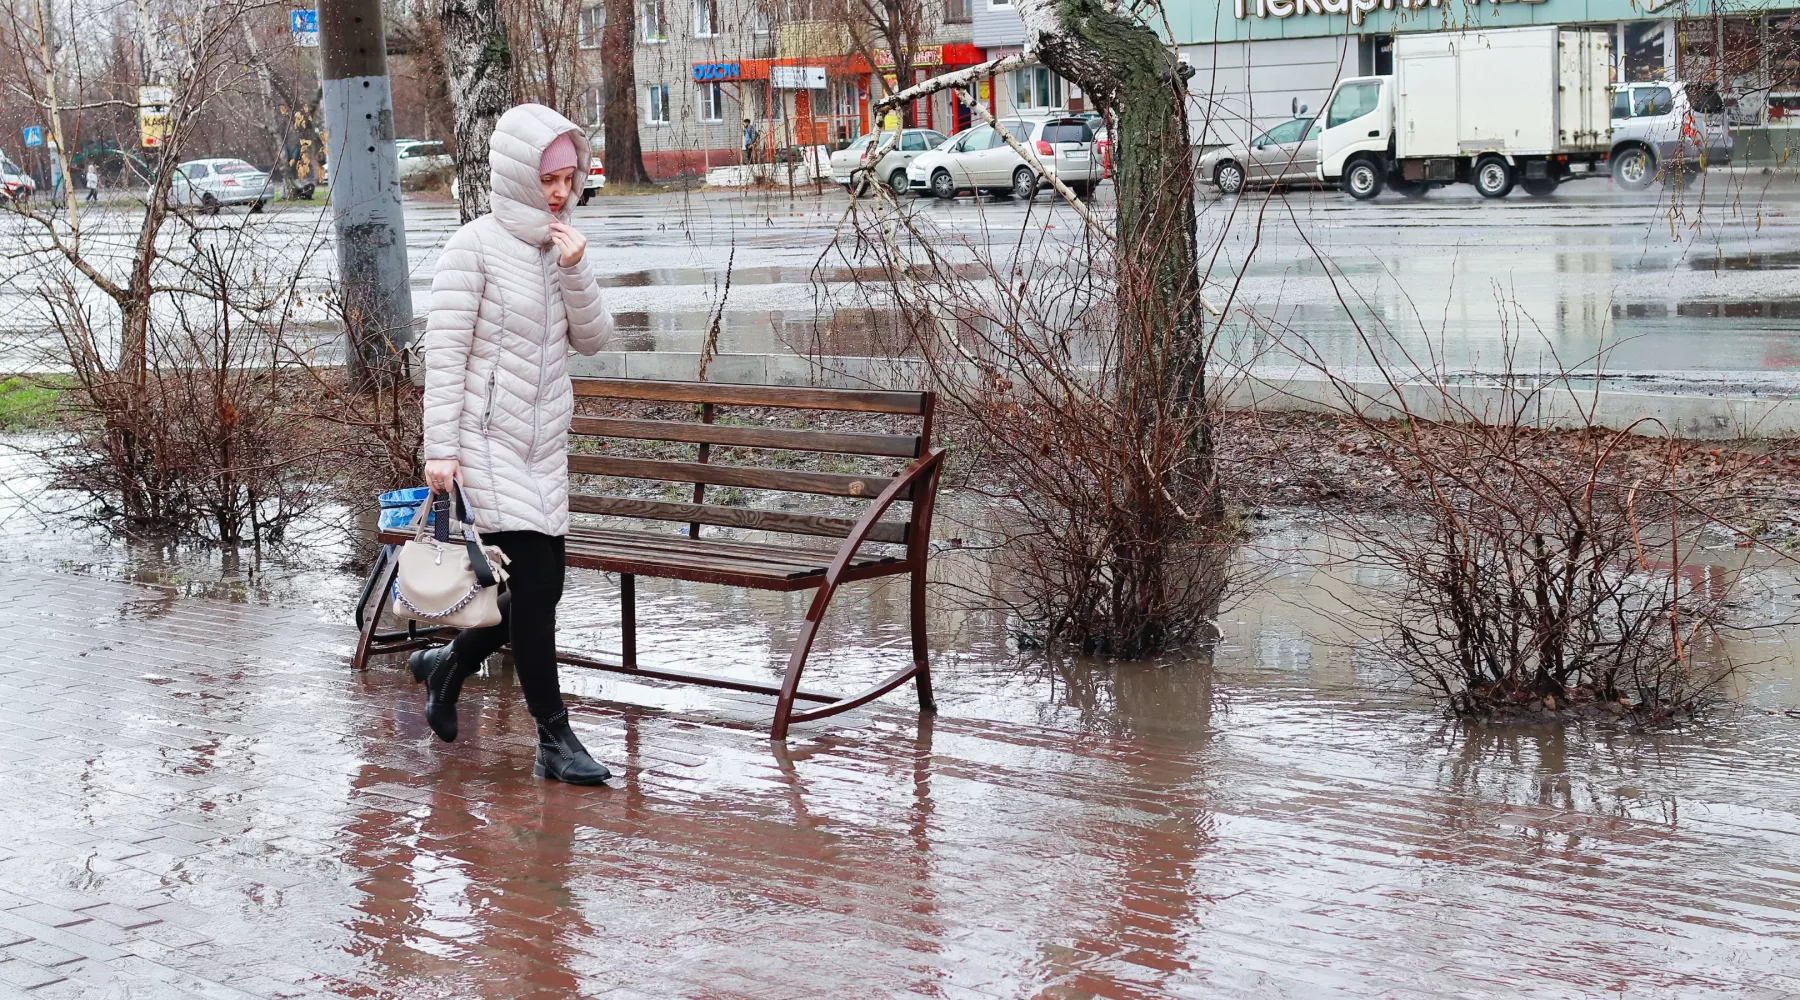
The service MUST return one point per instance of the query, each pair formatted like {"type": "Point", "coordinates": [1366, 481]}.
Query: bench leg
{"type": "Point", "coordinates": [385, 572]}
{"type": "Point", "coordinates": [628, 619]}
{"type": "Point", "coordinates": [921, 650]}
{"type": "Point", "coordinates": [784, 703]}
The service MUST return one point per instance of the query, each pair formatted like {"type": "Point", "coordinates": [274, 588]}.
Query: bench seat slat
{"type": "Point", "coordinates": [730, 435]}
{"type": "Point", "coordinates": [701, 560]}
{"type": "Point", "coordinates": [825, 483]}
{"type": "Point", "coordinates": [726, 394]}
{"type": "Point", "coordinates": [749, 518]}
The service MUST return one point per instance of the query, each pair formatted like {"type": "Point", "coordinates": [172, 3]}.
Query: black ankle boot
{"type": "Point", "coordinates": [562, 757]}
{"type": "Point", "coordinates": [437, 669]}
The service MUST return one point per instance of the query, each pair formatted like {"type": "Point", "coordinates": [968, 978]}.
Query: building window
{"type": "Point", "coordinates": [657, 106]}
{"type": "Point", "coordinates": [592, 107]}
{"type": "Point", "coordinates": [1037, 87]}
{"type": "Point", "coordinates": [848, 94]}
{"type": "Point", "coordinates": [999, 3]}
{"type": "Point", "coordinates": [957, 12]}
{"type": "Point", "coordinates": [706, 18]}
{"type": "Point", "coordinates": [593, 20]}
{"type": "Point", "coordinates": [656, 28]}
{"type": "Point", "coordinates": [759, 21]}
{"type": "Point", "coordinates": [712, 102]}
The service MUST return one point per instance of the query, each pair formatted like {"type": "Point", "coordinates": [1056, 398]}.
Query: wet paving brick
{"type": "Point", "coordinates": [209, 803]}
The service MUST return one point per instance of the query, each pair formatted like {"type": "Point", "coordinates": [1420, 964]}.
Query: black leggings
{"type": "Point", "coordinates": [528, 618]}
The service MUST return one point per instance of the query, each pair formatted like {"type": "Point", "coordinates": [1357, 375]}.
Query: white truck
{"type": "Point", "coordinates": [1491, 108]}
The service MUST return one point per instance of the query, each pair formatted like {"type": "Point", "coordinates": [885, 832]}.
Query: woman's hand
{"type": "Point", "coordinates": [441, 472]}
{"type": "Point", "coordinates": [569, 241]}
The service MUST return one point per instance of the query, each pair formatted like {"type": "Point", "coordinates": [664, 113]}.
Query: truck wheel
{"type": "Point", "coordinates": [1362, 180]}
{"type": "Point", "coordinates": [1634, 169]}
{"type": "Point", "coordinates": [1493, 177]}
{"type": "Point", "coordinates": [1229, 177]}
{"type": "Point", "coordinates": [1539, 187]}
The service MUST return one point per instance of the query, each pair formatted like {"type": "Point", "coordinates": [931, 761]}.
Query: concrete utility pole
{"type": "Point", "coordinates": [365, 189]}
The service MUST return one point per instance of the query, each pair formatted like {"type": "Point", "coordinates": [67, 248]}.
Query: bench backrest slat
{"type": "Point", "coordinates": [822, 483]}
{"type": "Point", "coordinates": [676, 448]}
{"type": "Point", "coordinates": [778, 438]}
{"type": "Point", "coordinates": [735, 517]}
{"type": "Point", "coordinates": [727, 394]}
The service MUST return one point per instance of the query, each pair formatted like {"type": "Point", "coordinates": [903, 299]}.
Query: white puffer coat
{"type": "Point", "coordinates": [504, 314]}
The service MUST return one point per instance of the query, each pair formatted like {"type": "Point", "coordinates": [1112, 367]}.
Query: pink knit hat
{"type": "Point", "coordinates": [559, 154]}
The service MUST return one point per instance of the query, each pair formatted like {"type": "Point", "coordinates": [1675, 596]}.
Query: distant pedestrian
{"type": "Point", "coordinates": [749, 142]}
{"type": "Point", "coordinates": [513, 292]}
{"type": "Point", "coordinates": [93, 183]}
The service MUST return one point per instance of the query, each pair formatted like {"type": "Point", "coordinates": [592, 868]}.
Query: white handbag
{"type": "Point", "coordinates": [446, 582]}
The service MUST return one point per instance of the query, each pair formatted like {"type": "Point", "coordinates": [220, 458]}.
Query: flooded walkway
{"type": "Point", "coordinates": [203, 800]}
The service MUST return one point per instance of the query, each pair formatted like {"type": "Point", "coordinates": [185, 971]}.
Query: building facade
{"type": "Point", "coordinates": [1257, 61]}
{"type": "Point", "coordinates": [796, 70]}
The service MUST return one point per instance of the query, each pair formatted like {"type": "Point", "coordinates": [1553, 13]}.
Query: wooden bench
{"type": "Point", "coordinates": [651, 545]}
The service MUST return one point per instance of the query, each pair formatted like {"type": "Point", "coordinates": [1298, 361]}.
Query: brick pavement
{"type": "Point", "coordinates": [203, 801]}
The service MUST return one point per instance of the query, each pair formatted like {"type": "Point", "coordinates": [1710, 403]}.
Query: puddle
{"type": "Point", "coordinates": [1242, 825]}
{"type": "Point", "coordinates": [1779, 260]}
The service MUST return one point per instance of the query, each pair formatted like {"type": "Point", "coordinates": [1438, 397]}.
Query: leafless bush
{"type": "Point", "coordinates": [1527, 556]}
{"type": "Point", "coordinates": [1091, 456]}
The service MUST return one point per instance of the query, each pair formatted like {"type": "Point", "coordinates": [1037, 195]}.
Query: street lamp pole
{"type": "Point", "coordinates": [365, 189]}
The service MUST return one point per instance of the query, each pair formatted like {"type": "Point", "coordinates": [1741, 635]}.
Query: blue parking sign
{"type": "Point", "coordinates": [305, 21]}
{"type": "Point", "coordinates": [34, 135]}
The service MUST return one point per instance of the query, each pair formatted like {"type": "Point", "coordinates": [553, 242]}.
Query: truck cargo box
{"type": "Point", "coordinates": [1516, 91]}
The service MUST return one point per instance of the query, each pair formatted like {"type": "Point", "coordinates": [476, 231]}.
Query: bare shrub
{"type": "Point", "coordinates": [1091, 457]}
{"type": "Point", "coordinates": [1515, 573]}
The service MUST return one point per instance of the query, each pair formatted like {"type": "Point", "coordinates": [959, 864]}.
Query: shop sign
{"type": "Point", "coordinates": [704, 72]}
{"type": "Point", "coordinates": [929, 56]}
{"type": "Point", "coordinates": [1357, 9]}
{"type": "Point", "coordinates": [797, 77]}
{"type": "Point", "coordinates": [153, 115]}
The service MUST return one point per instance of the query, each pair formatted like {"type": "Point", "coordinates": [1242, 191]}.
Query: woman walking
{"type": "Point", "coordinates": [514, 291]}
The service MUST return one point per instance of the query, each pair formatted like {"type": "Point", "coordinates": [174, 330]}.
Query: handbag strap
{"type": "Point", "coordinates": [440, 505]}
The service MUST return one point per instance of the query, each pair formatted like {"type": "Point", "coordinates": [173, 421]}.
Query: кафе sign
{"type": "Point", "coordinates": [1357, 9]}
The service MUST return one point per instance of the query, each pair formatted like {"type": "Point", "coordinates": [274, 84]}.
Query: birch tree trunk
{"type": "Point", "coordinates": [478, 62]}
{"type": "Point", "coordinates": [273, 120]}
{"type": "Point", "coordinates": [618, 44]}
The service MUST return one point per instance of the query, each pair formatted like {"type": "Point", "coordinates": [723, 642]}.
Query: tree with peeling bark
{"type": "Point", "coordinates": [479, 62]}
{"type": "Point", "coordinates": [618, 53]}
{"type": "Point", "coordinates": [1078, 389]}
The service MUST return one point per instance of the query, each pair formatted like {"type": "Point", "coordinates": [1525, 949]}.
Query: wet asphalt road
{"type": "Point", "coordinates": [1685, 289]}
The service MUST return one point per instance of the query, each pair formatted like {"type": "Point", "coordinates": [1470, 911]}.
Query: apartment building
{"type": "Point", "coordinates": [795, 68]}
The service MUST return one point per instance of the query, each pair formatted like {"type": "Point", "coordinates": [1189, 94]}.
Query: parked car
{"type": "Point", "coordinates": [892, 168]}
{"type": "Point", "coordinates": [596, 179]}
{"type": "Point", "coordinates": [1665, 130]}
{"type": "Point", "coordinates": [420, 158]}
{"type": "Point", "coordinates": [213, 184]}
{"type": "Point", "coordinates": [980, 160]}
{"type": "Point", "coordinates": [1285, 154]}
{"type": "Point", "coordinates": [15, 183]}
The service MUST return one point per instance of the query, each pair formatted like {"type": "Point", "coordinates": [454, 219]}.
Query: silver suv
{"type": "Point", "coordinates": [1665, 130]}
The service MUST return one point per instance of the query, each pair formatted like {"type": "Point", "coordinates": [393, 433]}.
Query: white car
{"type": "Point", "coordinates": [596, 179]}
{"type": "Point", "coordinates": [213, 184]}
{"type": "Point", "coordinates": [15, 183]}
{"type": "Point", "coordinates": [980, 160]}
{"type": "Point", "coordinates": [892, 168]}
{"type": "Point", "coordinates": [420, 158]}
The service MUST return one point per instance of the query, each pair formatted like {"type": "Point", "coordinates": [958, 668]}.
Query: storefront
{"type": "Point", "coordinates": [1256, 61]}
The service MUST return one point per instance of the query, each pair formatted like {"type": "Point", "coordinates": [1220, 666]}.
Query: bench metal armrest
{"type": "Point", "coordinates": [924, 470]}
